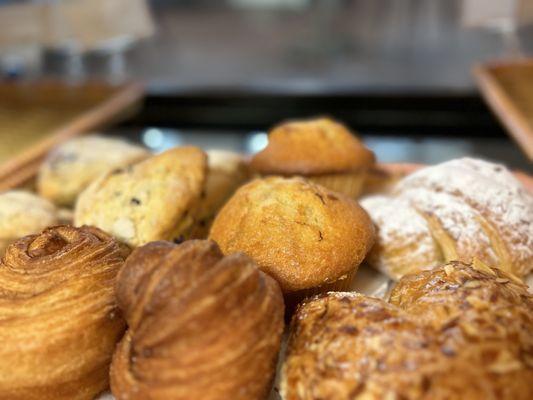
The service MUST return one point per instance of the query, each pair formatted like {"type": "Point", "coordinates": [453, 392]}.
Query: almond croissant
{"type": "Point", "coordinates": [456, 332]}
{"type": "Point", "coordinates": [201, 325]}
{"type": "Point", "coordinates": [59, 322]}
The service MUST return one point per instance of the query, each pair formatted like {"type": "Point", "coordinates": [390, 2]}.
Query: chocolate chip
{"type": "Point", "coordinates": [180, 239]}
{"type": "Point", "coordinates": [135, 201]}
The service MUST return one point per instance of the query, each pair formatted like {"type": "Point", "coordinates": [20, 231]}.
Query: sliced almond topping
{"type": "Point", "coordinates": [472, 284]}
{"type": "Point", "coordinates": [448, 269]}
{"type": "Point", "coordinates": [480, 266]}
{"type": "Point", "coordinates": [502, 280]}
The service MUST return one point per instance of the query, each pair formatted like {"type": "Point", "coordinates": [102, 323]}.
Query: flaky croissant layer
{"type": "Point", "coordinates": [201, 325]}
{"type": "Point", "coordinates": [59, 321]}
{"type": "Point", "coordinates": [457, 332]}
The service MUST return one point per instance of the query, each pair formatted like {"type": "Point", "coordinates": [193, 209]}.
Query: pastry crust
{"type": "Point", "coordinates": [23, 213]}
{"type": "Point", "coordinates": [153, 200]}
{"type": "Point", "coordinates": [73, 165]}
{"type": "Point", "coordinates": [201, 325]}
{"type": "Point", "coordinates": [455, 332]}
{"type": "Point", "coordinates": [471, 208]}
{"type": "Point", "coordinates": [300, 233]}
{"type": "Point", "coordinates": [315, 146]}
{"type": "Point", "coordinates": [59, 321]}
{"type": "Point", "coordinates": [226, 172]}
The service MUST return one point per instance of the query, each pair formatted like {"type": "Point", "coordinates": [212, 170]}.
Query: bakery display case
{"type": "Point", "coordinates": [266, 200]}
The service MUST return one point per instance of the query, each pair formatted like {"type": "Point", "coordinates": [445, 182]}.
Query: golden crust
{"type": "Point", "coordinates": [456, 332]}
{"type": "Point", "coordinates": [226, 172]}
{"type": "Point", "coordinates": [469, 303]}
{"type": "Point", "coordinates": [59, 321]}
{"type": "Point", "coordinates": [300, 233]}
{"type": "Point", "coordinates": [153, 200]}
{"type": "Point", "coordinates": [201, 325]}
{"type": "Point", "coordinates": [316, 146]}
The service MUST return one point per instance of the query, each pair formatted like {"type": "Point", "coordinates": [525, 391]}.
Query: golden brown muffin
{"type": "Point", "coordinates": [201, 325]}
{"type": "Point", "coordinates": [73, 165]}
{"type": "Point", "coordinates": [302, 234]}
{"type": "Point", "coordinates": [59, 321]}
{"type": "Point", "coordinates": [23, 213]}
{"type": "Point", "coordinates": [319, 149]}
{"type": "Point", "coordinates": [226, 172]}
{"type": "Point", "coordinates": [156, 199]}
{"type": "Point", "coordinates": [459, 333]}
{"type": "Point", "coordinates": [457, 210]}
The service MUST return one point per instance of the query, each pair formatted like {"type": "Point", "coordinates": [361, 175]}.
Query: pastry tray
{"type": "Point", "coordinates": [36, 116]}
{"type": "Point", "coordinates": [507, 87]}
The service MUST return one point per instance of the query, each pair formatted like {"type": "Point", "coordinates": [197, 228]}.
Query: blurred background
{"type": "Point", "coordinates": [220, 73]}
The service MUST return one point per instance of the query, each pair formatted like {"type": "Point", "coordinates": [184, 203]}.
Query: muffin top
{"type": "Point", "coordinates": [316, 146]}
{"type": "Point", "coordinates": [300, 233]}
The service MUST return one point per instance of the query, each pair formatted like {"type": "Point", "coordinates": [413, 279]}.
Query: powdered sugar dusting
{"type": "Point", "coordinates": [403, 232]}
{"type": "Point", "coordinates": [493, 192]}
{"type": "Point", "coordinates": [458, 219]}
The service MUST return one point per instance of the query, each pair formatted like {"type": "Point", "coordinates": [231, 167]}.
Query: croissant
{"type": "Point", "coordinates": [59, 321]}
{"type": "Point", "coordinates": [458, 210]}
{"type": "Point", "coordinates": [201, 325]}
{"type": "Point", "coordinates": [455, 332]}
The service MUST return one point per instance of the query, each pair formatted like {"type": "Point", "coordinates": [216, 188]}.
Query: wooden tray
{"type": "Point", "coordinates": [508, 89]}
{"type": "Point", "coordinates": [36, 116]}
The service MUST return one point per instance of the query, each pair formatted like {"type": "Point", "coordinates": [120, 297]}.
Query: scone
{"type": "Point", "coordinates": [23, 213]}
{"type": "Point", "coordinates": [309, 238]}
{"type": "Point", "coordinates": [156, 199]}
{"type": "Point", "coordinates": [226, 172]}
{"type": "Point", "coordinates": [320, 150]}
{"type": "Point", "coordinates": [456, 332]}
{"type": "Point", "coordinates": [73, 165]}
{"type": "Point", "coordinates": [456, 210]}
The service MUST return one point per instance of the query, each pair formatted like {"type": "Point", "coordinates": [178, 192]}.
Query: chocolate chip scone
{"type": "Point", "coordinates": [156, 199]}
{"type": "Point", "coordinates": [73, 165]}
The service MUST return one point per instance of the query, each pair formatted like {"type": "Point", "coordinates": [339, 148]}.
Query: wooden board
{"type": "Point", "coordinates": [35, 117]}
{"type": "Point", "coordinates": [508, 89]}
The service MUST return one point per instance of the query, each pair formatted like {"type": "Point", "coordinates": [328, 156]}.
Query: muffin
{"type": "Point", "coordinates": [73, 165]}
{"type": "Point", "coordinates": [23, 213]}
{"type": "Point", "coordinates": [321, 150]}
{"type": "Point", "coordinates": [226, 172]}
{"type": "Point", "coordinates": [155, 199]}
{"type": "Point", "coordinates": [309, 238]}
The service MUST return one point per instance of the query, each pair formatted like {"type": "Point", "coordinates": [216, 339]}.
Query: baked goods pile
{"type": "Point", "coordinates": [455, 332]}
{"type": "Point", "coordinates": [178, 271]}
